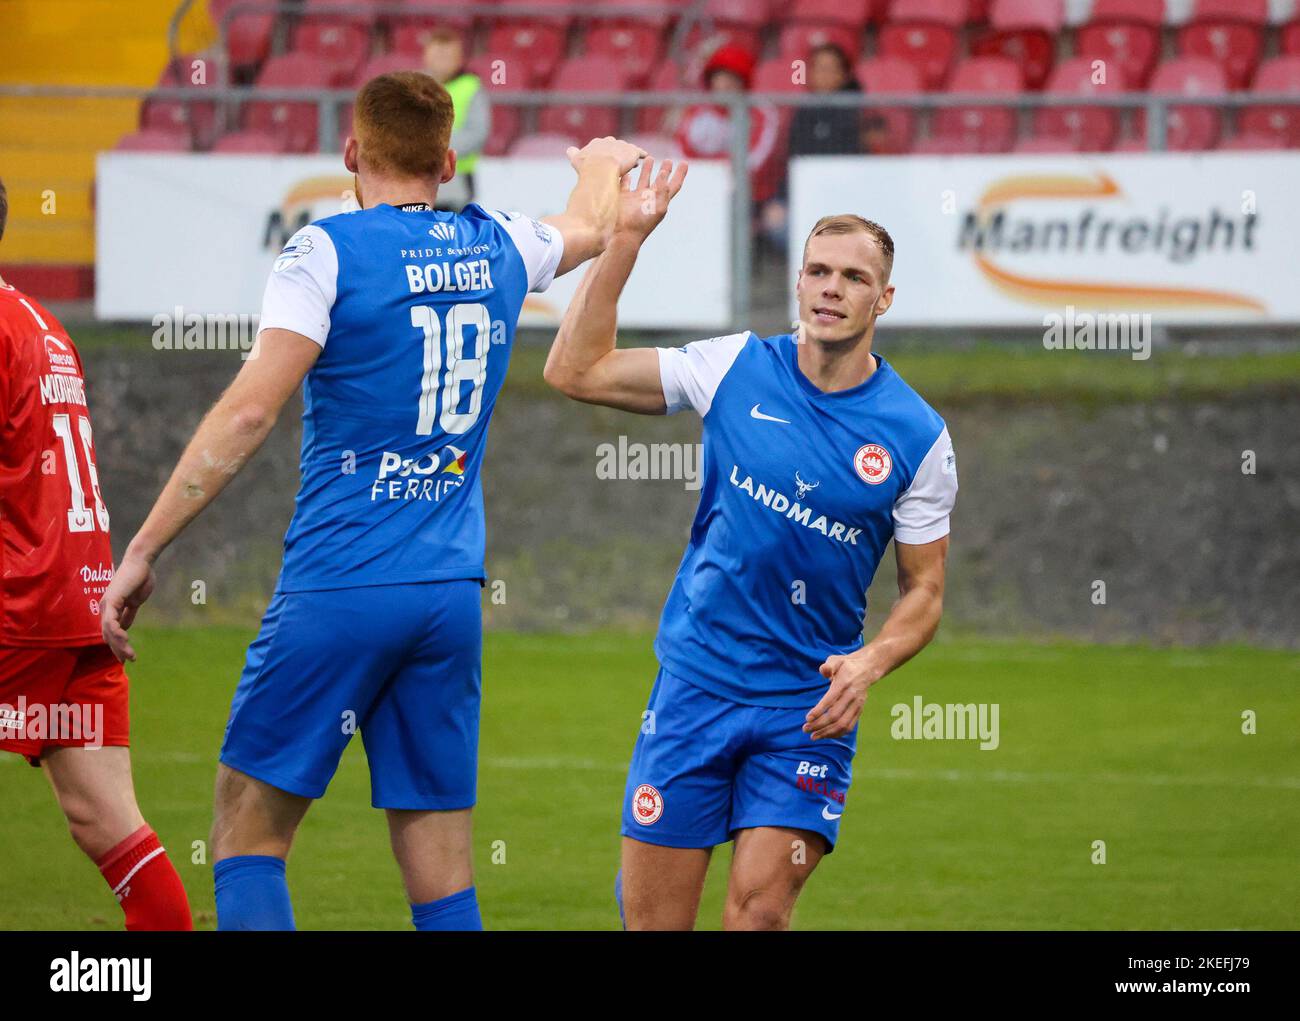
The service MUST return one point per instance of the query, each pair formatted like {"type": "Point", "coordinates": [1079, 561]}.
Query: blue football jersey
{"type": "Point", "coordinates": [801, 492]}
{"type": "Point", "coordinates": [415, 311]}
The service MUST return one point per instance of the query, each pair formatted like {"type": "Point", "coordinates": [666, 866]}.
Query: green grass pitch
{"type": "Point", "coordinates": [1140, 748]}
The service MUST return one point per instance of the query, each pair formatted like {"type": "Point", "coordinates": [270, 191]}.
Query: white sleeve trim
{"type": "Point", "coordinates": [303, 286]}
{"type": "Point", "coordinates": [540, 245]}
{"type": "Point", "coordinates": [691, 375]}
{"type": "Point", "coordinates": [921, 513]}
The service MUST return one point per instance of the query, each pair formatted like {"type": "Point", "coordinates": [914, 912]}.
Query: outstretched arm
{"type": "Point", "coordinates": [592, 211]}
{"type": "Point", "coordinates": [230, 434]}
{"type": "Point", "coordinates": [584, 363]}
{"type": "Point", "coordinates": [907, 630]}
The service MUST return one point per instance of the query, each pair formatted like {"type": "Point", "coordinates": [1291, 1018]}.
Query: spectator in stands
{"type": "Point", "coordinates": [444, 59]}
{"type": "Point", "coordinates": [821, 130]}
{"type": "Point", "coordinates": [705, 131]}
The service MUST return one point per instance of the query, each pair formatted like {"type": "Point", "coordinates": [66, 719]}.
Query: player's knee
{"type": "Point", "coordinates": [95, 827]}
{"type": "Point", "coordinates": [761, 907]}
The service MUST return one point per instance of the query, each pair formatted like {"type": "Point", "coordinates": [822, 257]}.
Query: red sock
{"type": "Point", "coordinates": [145, 883]}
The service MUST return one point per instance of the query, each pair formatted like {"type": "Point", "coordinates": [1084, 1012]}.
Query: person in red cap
{"type": "Point", "coordinates": [705, 131]}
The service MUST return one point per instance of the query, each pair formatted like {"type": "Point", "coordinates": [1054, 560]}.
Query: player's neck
{"type": "Point", "coordinates": [838, 366]}
{"type": "Point", "coordinates": [398, 192]}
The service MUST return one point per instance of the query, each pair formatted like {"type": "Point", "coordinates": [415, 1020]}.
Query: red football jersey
{"type": "Point", "coordinates": [55, 557]}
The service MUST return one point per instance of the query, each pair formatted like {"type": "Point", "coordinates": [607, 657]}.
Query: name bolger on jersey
{"type": "Point", "coordinates": [415, 312]}
{"type": "Point", "coordinates": [803, 491]}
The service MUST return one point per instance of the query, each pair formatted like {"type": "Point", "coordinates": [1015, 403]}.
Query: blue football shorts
{"type": "Point", "coordinates": [704, 767]}
{"type": "Point", "coordinates": [399, 663]}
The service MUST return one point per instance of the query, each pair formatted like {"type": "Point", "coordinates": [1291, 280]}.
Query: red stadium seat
{"type": "Point", "coordinates": [850, 13]}
{"type": "Point", "coordinates": [981, 128]}
{"type": "Point", "coordinates": [385, 63]}
{"type": "Point", "coordinates": [547, 145]}
{"type": "Point", "coordinates": [701, 39]}
{"type": "Point", "coordinates": [668, 11]}
{"type": "Point", "coordinates": [883, 76]}
{"type": "Point", "coordinates": [341, 42]}
{"type": "Point", "coordinates": [534, 48]}
{"type": "Point", "coordinates": [1124, 32]}
{"type": "Point", "coordinates": [406, 30]}
{"type": "Point", "coordinates": [667, 77]}
{"type": "Point", "coordinates": [295, 122]}
{"type": "Point", "coordinates": [249, 142]}
{"type": "Point", "coordinates": [926, 32]}
{"type": "Point", "coordinates": [196, 119]}
{"type": "Point", "coordinates": [1189, 128]}
{"type": "Point", "coordinates": [1229, 33]}
{"type": "Point", "coordinates": [1290, 39]}
{"type": "Point", "coordinates": [247, 36]}
{"type": "Point", "coordinates": [1278, 75]}
{"type": "Point", "coordinates": [638, 46]}
{"type": "Point", "coordinates": [585, 74]}
{"type": "Point", "coordinates": [751, 13]}
{"type": "Point", "coordinates": [1088, 128]}
{"type": "Point", "coordinates": [797, 41]}
{"type": "Point", "coordinates": [1252, 143]}
{"type": "Point", "coordinates": [1024, 31]}
{"type": "Point", "coordinates": [506, 125]}
{"type": "Point", "coordinates": [155, 140]}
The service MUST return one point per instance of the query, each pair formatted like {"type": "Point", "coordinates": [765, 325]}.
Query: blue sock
{"type": "Point", "coordinates": [252, 893]}
{"type": "Point", "coordinates": [618, 899]}
{"type": "Point", "coordinates": [457, 913]}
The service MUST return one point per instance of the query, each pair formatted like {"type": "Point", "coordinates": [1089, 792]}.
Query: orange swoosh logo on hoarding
{"type": "Point", "coordinates": [1058, 292]}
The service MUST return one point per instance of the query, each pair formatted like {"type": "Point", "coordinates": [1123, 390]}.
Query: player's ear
{"type": "Point", "coordinates": [886, 299]}
{"type": "Point", "coordinates": [350, 155]}
{"type": "Point", "coordinates": [449, 168]}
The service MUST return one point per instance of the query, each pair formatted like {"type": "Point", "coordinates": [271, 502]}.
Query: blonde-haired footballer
{"type": "Point", "coordinates": [816, 455]}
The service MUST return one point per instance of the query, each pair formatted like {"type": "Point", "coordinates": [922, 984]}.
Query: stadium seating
{"type": "Point", "coordinates": [295, 122]}
{"type": "Point", "coordinates": [638, 47]}
{"type": "Point", "coordinates": [1024, 31]}
{"type": "Point", "coordinates": [198, 120]}
{"type": "Point", "coordinates": [926, 32]}
{"type": "Point", "coordinates": [155, 140]}
{"type": "Point", "coordinates": [1279, 123]}
{"type": "Point", "coordinates": [1229, 32]}
{"type": "Point", "coordinates": [1086, 128]}
{"type": "Point", "coordinates": [1124, 32]}
{"type": "Point", "coordinates": [1187, 127]}
{"type": "Point", "coordinates": [250, 142]}
{"type": "Point", "coordinates": [852, 14]}
{"type": "Point", "coordinates": [384, 63]}
{"type": "Point", "coordinates": [797, 40]}
{"type": "Point", "coordinates": [891, 76]}
{"type": "Point", "coordinates": [991, 46]}
{"type": "Point", "coordinates": [535, 49]}
{"type": "Point", "coordinates": [978, 128]}
{"type": "Point", "coordinates": [585, 74]}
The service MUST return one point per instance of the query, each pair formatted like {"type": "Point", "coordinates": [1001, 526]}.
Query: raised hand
{"type": "Point", "coordinates": [625, 154]}
{"type": "Point", "coordinates": [642, 208]}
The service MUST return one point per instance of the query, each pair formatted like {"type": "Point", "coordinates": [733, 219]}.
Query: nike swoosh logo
{"type": "Point", "coordinates": [828, 815]}
{"type": "Point", "coordinates": [755, 413]}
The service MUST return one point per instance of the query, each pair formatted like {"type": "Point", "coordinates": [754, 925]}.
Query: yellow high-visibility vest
{"type": "Point", "coordinates": [462, 90]}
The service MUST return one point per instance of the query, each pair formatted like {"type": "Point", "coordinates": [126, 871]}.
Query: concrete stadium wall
{"type": "Point", "coordinates": [1149, 498]}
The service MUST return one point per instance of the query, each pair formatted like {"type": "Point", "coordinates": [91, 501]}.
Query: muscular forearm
{"type": "Point", "coordinates": [590, 323]}
{"type": "Point", "coordinates": [911, 624]}
{"type": "Point", "coordinates": [226, 438]}
{"type": "Point", "coordinates": [594, 201]}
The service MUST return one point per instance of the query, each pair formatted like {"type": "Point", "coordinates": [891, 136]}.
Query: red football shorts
{"type": "Point", "coordinates": [71, 697]}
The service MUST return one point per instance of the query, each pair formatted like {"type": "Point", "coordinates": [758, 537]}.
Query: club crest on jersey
{"type": "Point", "coordinates": [443, 232]}
{"type": "Point", "coordinates": [873, 464]}
{"type": "Point", "coordinates": [298, 246]}
{"type": "Point", "coordinates": [647, 805]}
